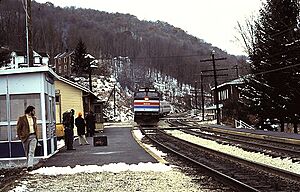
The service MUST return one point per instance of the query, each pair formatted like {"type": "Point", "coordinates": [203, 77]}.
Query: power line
{"type": "Point", "coordinates": [284, 31]}
{"type": "Point", "coordinates": [278, 69]}
{"type": "Point", "coordinates": [165, 57]}
{"type": "Point", "coordinates": [168, 56]}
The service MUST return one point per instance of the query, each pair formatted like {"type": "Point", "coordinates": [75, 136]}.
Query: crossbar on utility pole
{"type": "Point", "coordinates": [213, 59]}
{"type": "Point", "coordinates": [210, 70]}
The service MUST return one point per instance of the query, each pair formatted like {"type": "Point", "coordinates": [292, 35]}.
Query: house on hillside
{"type": "Point", "coordinates": [19, 59]}
{"type": "Point", "coordinates": [20, 88]}
{"type": "Point", "coordinates": [63, 63]}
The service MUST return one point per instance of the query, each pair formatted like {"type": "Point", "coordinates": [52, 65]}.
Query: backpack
{"type": "Point", "coordinates": [67, 119]}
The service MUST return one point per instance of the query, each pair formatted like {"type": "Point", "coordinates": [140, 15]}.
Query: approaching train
{"type": "Point", "coordinates": [148, 108]}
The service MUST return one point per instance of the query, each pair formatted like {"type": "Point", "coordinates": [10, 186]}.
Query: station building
{"type": "Point", "coordinates": [70, 95]}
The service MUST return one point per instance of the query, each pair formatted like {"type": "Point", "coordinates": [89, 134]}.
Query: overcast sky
{"type": "Point", "coordinates": [214, 21]}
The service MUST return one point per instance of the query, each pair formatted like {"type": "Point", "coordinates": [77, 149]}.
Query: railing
{"type": "Point", "coordinates": [242, 124]}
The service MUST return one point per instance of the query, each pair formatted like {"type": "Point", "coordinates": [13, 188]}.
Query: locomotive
{"type": "Point", "coordinates": [147, 107]}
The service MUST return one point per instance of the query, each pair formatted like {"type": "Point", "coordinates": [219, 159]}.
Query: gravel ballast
{"type": "Point", "coordinates": [170, 180]}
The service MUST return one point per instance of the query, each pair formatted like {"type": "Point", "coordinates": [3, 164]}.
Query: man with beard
{"type": "Point", "coordinates": [27, 133]}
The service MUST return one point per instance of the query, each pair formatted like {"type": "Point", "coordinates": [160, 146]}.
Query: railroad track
{"type": "Point", "coordinates": [9, 176]}
{"type": "Point", "coordinates": [234, 172]}
{"type": "Point", "coordinates": [255, 144]}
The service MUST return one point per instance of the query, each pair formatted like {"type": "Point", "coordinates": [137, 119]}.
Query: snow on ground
{"type": "Point", "coordinates": [138, 134]}
{"type": "Point", "coordinates": [285, 164]}
{"type": "Point", "coordinates": [60, 143]}
{"type": "Point", "coordinates": [112, 167]}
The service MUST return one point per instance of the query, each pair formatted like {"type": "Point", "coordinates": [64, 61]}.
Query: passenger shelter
{"type": "Point", "coordinates": [20, 88]}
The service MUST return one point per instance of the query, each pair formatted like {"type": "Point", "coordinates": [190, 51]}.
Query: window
{"type": "Point", "coordinates": [65, 68]}
{"type": "Point", "coordinates": [3, 133]}
{"type": "Point", "coordinates": [57, 99]}
{"type": "Point", "coordinates": [14, 132]}
{"type": "Point", "coordinates": [59, 69]}
{"type": "Point", "coordinates": [153, 94]}
{"type": "Point", "coordinates": [52, 109]}
{"type": "Point", "coordinates": [223, 95]}
{"type": "Point", "coordinates": [140, 94]}
{"type": "Point", "coordinates": [19, 103]}
{"type": "Point", "coordinates": [47, 107]}
{"type": "Point", "coordinates": [3, 112]}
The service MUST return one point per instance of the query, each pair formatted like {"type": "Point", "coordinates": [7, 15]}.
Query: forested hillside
{"type": "Point", "coordinates": [156, 45]}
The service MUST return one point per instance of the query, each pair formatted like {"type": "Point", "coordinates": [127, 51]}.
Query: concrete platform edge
{"type": "Point", "coordinates": [158, 158]}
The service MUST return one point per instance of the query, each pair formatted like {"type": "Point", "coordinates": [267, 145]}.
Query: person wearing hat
{"type": "Point", "coordinates": [80, 124]}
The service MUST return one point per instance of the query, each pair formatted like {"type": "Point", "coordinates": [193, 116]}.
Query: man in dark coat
{"type": "Point", "coordinates": [68, 122]}
{"type": "Point", "coordinates": [80, 124]}
{"type": "Point", "coordinates": [27, 133]}
{"type": "Point", "coordinates": [90, 120]}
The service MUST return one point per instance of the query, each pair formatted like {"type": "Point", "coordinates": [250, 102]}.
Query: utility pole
{"type": "Point", "coordinates": [90, 74]}
{"type": "Point", "coordinates": [202, 89]}
{"type": "Point", "coordinates": [216, 91]}
{"type": "Point", "coordinates": [90, 84]}
{"type": "Point", "coordinates": [29, 33]}
{"type": "Point", "coordinates": [202, 97]}
{"type": "Point", "coordinates": [91, 67]}
{"type": "Point", "coordinates": [196, 95]}
{"type": "Point", "coordinates": [114, 100]}
{"type": "Point", "coordinates": [195, 91]}
{"type": "Point", "coordinates": [213, 59]}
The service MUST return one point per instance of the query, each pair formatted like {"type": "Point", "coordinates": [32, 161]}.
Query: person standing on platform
{"type": "Point", "coordinates": [80, 124]}
{"type": "Point", "coordinates": [90, 123]}
{"type": "Point", "coordinates": [68, 122]}
{"type": "Point", "coordinates": [27, 133]}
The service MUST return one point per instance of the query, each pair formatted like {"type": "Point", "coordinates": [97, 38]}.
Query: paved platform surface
{"type": "Point", "coordinates": [121, 147]}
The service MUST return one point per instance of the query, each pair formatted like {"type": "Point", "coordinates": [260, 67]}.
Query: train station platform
{"type": "Point", "coordinates": [121, 147]}
{"type": "Point", "coordinates": [256, 133]}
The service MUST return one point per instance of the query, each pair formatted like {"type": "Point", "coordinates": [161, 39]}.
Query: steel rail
{"type": "Point", "coordinates": [211, 172]}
